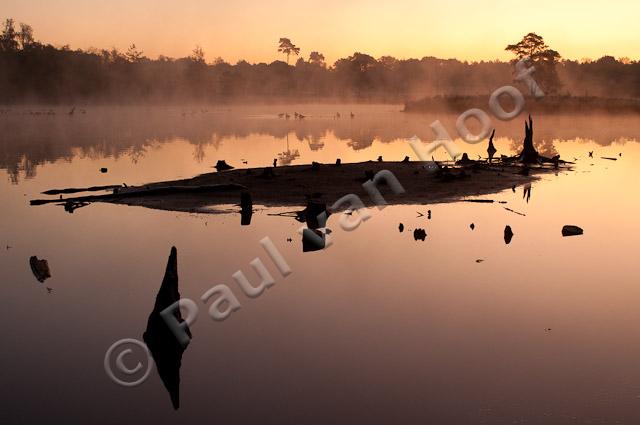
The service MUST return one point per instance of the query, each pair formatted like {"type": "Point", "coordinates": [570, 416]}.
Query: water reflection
{"type": "Point", "coordinates": [288, 156]}
{"type": "Point", "coordinates": [526, 192]}
{"type": "Point", "coordinates": [162, 343]}
{"type": "Point", "coordinates": [446, 315]}
{"type": "Point", "coordinates": [27, 140]}
{"type": "Point", "coordinates": [315, 216]}
{"type": "Point", "coordinates": [71, 206]}
{"type": "Point", "coordinates": [246, 208]}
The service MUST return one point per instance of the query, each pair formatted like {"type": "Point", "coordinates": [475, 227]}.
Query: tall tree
{"type": "Point", "coordinates": [357, 72]}
{"type": "Point", "coordinates": [133, 54]}
{"type": "Point", "coordinates": [316, 58]}
{"type": "Point", "coordinates": [532, 46]}
{"type": "Point", "coordinates": [25, 36]}
{"type": "Point", "coordinates": [9, 37]}
{"type": "Point", "coordinates": [288, 48]}
{"type": "Point", "coordinates": [197, 55]}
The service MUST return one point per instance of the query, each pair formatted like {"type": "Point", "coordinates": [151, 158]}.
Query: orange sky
{"type": "Point", "coordinates": [250, 29]}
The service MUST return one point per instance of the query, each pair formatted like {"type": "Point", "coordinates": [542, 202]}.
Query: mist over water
{"type": "Point", "coordinates": [33, 136]}
{"type": "Point", "coordinates": [249, 233]}
{"type": "Point", "coordinates": [377, 326]}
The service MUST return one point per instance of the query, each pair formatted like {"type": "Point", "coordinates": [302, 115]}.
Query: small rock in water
{"type": "Point", "coordinates": [570, 230]}
{"type": "Point", "coordinates": [419, 234]}
{"type": "Point", "coordinates": [472, 226]}
{"type": "Point", "coordinates": [40, 268]}
{"type": "Point", "coordinates": [479, 260]}
{"type": "Point", "coordinates": [103, 170]}
{"type": "Point", "coordinates": [222, 165]}
{"type": "Point", "coordinates": [429, 215]}
{"type": "Point", "coordinates": [508, 235]}
{"type": "Point", "coordinates": [401, 227]}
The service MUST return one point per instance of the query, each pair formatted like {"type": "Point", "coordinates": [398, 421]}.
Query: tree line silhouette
{"type": "Point", "coordinates": [33, 71]}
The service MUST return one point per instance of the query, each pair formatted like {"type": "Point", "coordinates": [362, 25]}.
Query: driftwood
{"type": "Point", "coordinates": [147, 191]}
{"type": "Point", "coordinates": [529, 154]}
{"type": "Point", "coordinates": [491, 150]}
{"type": "Point", "coordinates": [515, 212]}
{"type": "Point", "coordinates": [445, 182]}
{"type": "Point", "coordinates": [480, 201]}
{"type": "Point", "coordinates": [292, 214]}
{"type": "Point", "coordinates": [83, 189]}
{"type": "Point", "coordinates": [71, 206]}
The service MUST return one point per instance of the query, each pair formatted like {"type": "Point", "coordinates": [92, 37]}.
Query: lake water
{"type": "Point", "coordinates": [376, 328]}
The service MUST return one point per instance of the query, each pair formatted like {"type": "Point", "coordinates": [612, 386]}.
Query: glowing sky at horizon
{"type": "Point", "coordinates": [250, 29]}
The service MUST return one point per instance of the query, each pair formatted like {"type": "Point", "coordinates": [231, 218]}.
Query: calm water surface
{"type": "Point", "coordinates": [377, 328]}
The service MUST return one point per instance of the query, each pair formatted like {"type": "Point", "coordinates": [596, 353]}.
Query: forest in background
{"type": "Point", "coordinates": [36, 72]}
